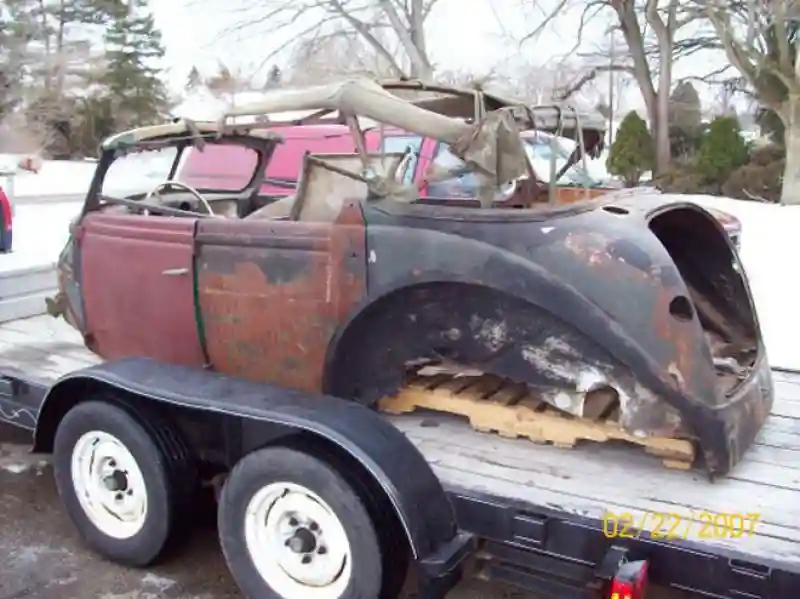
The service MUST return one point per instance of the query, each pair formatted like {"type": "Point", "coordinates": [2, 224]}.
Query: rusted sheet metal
{"type": "Point", "coordinates": [272, 293]}
{"type": "Point", "coordinates": [645, 290]}
{"type": "Point", "coordinates": [572, 194]}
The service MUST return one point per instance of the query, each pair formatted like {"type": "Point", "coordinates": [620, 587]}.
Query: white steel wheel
{"type": "Point", "coordinates": [297, 543]}
{"type": "Point", "coordinates": [126, 479]}
{"type": "Point", "coordinates": [291, 527]}
{"type": "Point", "coordinates": [109, 484]}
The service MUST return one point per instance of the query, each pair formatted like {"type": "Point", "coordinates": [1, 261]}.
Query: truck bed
{"type": "Point", "coordinates": [589, 480]}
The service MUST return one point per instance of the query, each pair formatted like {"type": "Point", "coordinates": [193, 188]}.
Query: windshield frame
{"type": "Point", "coordinates": [264, 147]}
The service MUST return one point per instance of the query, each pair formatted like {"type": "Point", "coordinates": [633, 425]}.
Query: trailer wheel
{"type": "Point", "coordinates": [122, 479]}
{"type": "Point", "coordinates": [292, 528]}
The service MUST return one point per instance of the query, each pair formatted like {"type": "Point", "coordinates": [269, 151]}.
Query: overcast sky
{"type": "Point", "coordinates": [462, 35]}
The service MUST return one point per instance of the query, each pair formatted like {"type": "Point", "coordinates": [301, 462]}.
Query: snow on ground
{"type": "Point", "coordinates": [40, 231]}
{"type": "Point", "coordinates": [57, 177]}
{"type": "Point", "coordinates": [770, 240]}
{"type": "Point", "coordinates": [72, 177]}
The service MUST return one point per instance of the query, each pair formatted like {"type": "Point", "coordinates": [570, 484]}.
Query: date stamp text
{"type": "Point", "coordinates": [664, 525]}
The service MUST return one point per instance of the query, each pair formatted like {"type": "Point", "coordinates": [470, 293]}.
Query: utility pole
{"type": "Point", "coordinates": [611, 52]}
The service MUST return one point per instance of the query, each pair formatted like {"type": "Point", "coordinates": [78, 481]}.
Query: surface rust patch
{"type": "Point", "coordinates": [271, 303]}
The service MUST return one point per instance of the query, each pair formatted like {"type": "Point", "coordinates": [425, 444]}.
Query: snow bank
{"type": "Point", "coordinates": [770, 244]}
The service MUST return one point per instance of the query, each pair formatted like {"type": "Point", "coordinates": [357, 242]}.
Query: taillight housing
{"type": "Point", "coordinates": [630, 582]}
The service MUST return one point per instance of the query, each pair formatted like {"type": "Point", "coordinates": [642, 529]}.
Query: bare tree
{"type": "Point", "coordinates": [226, 84]}
{"type": "Point", "coordinates": [322, 58]}
{"type": "Point", "coordinates": [546, 84]}
{"type": "Point", "coordinates": [470, 80]}
{"type": "Point", "coordinates": [393, 29]}
{"type": "Point", "coordinates": [649, 29]}
{"type": "Point", "coordinates": [761, 41]}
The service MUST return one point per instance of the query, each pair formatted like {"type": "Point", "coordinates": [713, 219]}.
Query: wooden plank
{"type": "Point", "coordinates": [616, 476]}
{"type": "Point", "coordinates": [787, 391]}
{"type": "Point", "coordinates": [789, 409]}
{"type": "Point", "coordinates": [765, 454]}
{"type": "Point", "coordinates": [44, 347]}
{"type": "Point", "coordinates": [775, 542]}
{"type": "Point", "coordinates": [786, 376]}
{"type": "Point", "coordinates": [528, 418]}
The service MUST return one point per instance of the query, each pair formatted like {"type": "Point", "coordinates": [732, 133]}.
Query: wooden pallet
{"type": "Point", "coordinates": [496, 405]}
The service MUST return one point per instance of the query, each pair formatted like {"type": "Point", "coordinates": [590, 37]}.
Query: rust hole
{"type": "Point", "coordinates": [681, 308]}
{"type": "Point", "coordinates": [618, 210]}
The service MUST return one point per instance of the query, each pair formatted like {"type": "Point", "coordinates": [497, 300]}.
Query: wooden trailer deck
{"type": "Point", "coordinates": [589, 480]}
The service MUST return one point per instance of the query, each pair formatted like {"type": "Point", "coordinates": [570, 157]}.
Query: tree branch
{"type": "Point", "coordinates": [587, 78]}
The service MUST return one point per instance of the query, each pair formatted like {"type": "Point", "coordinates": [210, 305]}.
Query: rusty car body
{"type": "Point", "coordinates": [357, 282]}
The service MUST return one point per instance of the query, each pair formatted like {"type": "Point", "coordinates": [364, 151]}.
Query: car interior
{"type": "Point", "coordinates": [326, 182]}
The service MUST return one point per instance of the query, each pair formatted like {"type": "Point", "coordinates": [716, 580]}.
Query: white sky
{"type": "Point", "coordinates": [462, 35]}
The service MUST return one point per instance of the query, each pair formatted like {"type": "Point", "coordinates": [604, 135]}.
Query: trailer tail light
{"type": "Point", "coordinates": [630, 581]}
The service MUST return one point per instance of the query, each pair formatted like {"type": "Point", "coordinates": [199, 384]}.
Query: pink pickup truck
{"type": "Point", "coordinates": [199, 169]}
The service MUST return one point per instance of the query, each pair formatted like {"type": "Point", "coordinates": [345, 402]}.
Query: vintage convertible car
{"type": "Point", "coordinates": [353, 281]}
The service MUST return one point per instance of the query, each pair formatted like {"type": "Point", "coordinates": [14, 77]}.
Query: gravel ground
{"type": "Point", "coordinates": [43, 557]}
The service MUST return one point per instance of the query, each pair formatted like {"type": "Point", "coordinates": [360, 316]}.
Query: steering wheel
{"type": "Point", "coordinates": [191, 190]}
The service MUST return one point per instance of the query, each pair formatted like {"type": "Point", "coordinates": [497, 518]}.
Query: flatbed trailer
{"type": "Point", "coordinates": [559, 522]}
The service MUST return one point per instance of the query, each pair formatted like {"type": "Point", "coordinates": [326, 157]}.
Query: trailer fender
{"type": "Point", "coordinates": [394, 463]}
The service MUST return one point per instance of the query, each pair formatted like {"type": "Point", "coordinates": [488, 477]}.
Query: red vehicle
{"type": "Point", "coordinates": [6, 222]}
{"type": "Point", "coordinates": [429, 156]}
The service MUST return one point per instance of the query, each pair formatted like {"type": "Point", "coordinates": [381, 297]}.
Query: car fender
{"type": "Point", "coordinates": [571, 288]}
{"type": "Point", "coordinates": [485, 265]}
{"type": "Point", "coordinates": [397, 466]}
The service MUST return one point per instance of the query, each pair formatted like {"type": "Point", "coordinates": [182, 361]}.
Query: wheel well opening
{"type": "Point", "coordinates": [712, 272]}
{"type": "Point", "coordinates": [433, 321]}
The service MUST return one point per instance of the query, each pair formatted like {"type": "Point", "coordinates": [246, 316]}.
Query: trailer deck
{"type": "Point", "coordinates": [587, 482]}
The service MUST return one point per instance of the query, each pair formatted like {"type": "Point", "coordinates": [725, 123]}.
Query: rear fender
{"type": "Point", "coordinates": [524, 338]}
{"type": "Point", "coordinates": [607, 280]}
{"type": "Point", "coordinates": [393, 462]}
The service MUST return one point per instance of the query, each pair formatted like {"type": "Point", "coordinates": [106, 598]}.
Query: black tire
{"type": "Point", "coordinates": [167, 469]}
{"type": "Point", "coordinates": [282, 465]}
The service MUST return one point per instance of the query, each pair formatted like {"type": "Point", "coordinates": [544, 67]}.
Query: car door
{"type": "Point", "coordinates": [273, 293]}
{"type": "Point", "coordinates": [138, 293]}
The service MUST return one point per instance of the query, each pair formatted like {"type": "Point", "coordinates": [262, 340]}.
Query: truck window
{"type": "Point", "coordinates": [401, 143]}
{"type": "Point", "coordinates": [223, 167]}
{"type": "Point", "coordinates": [448, 178]}
{"type": "Point", "coordinates": [540, 153]}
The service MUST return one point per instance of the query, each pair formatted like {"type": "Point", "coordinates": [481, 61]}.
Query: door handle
{"type": "Point", "coordinates": [175, 272]}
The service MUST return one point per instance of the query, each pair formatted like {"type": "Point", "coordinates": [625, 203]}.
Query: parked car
{"type": "Point", "coordinates": [6, 222]}
{"type": "Point", "coordinates": [575, 183]}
